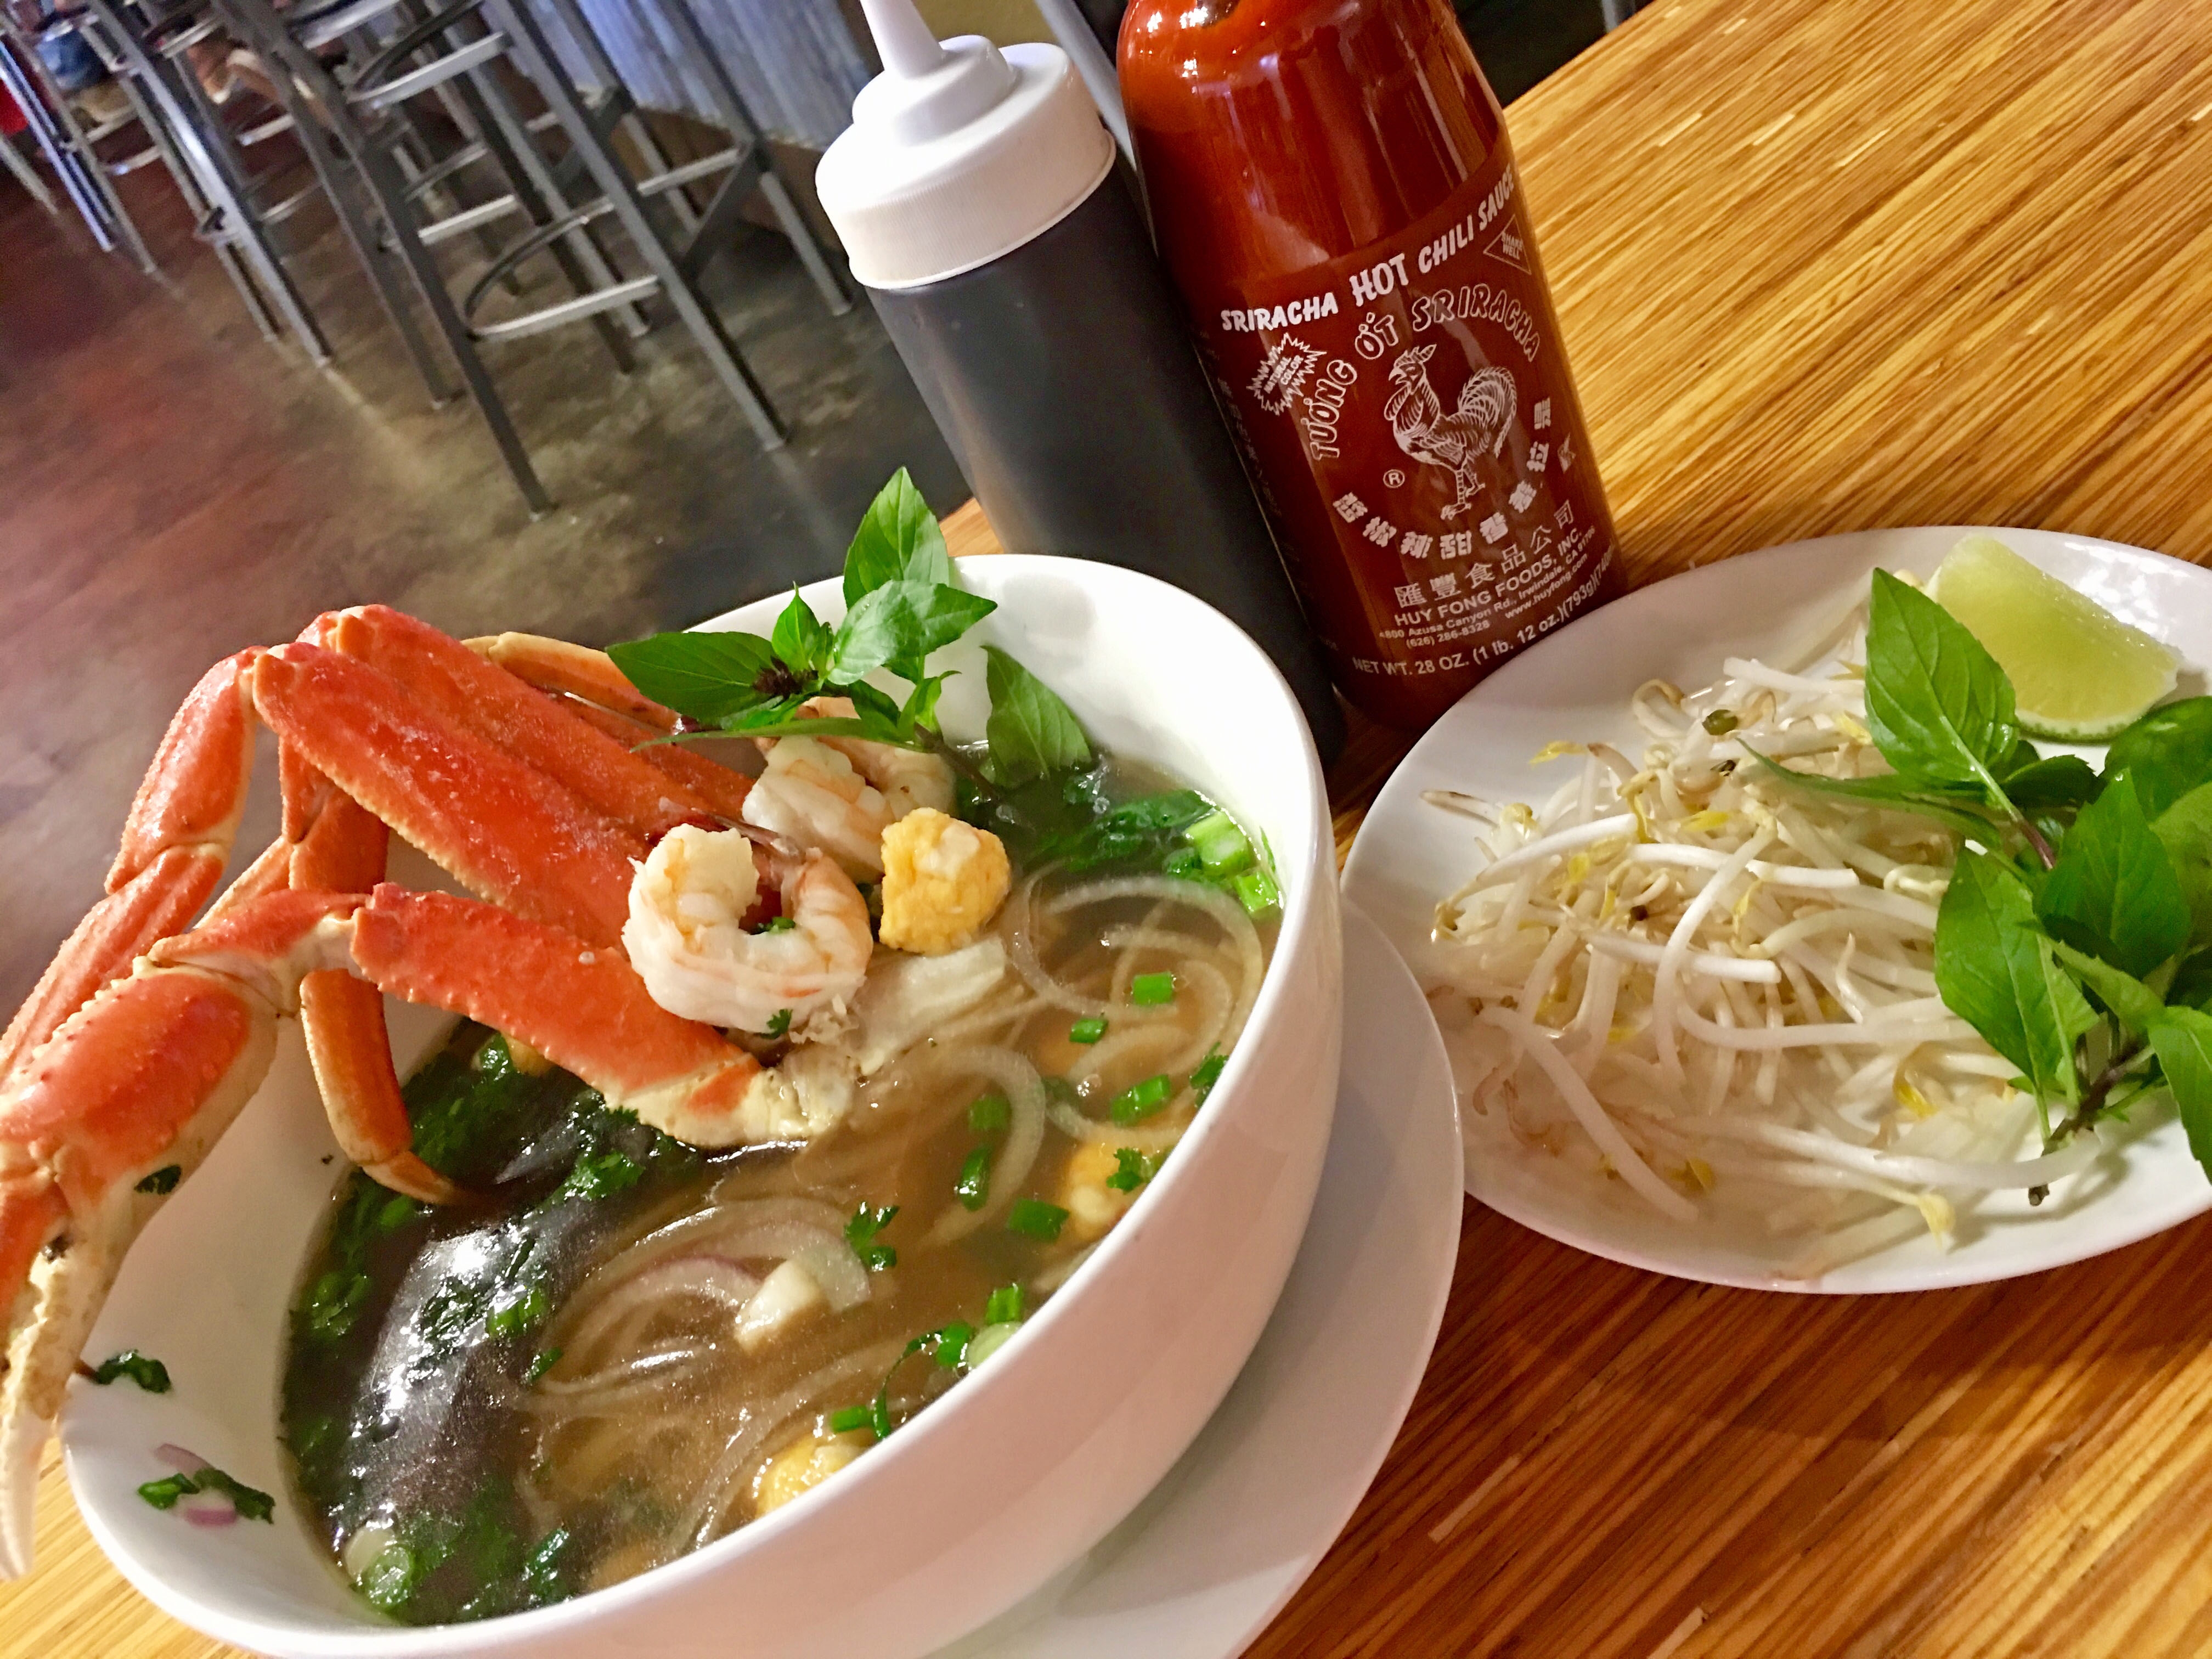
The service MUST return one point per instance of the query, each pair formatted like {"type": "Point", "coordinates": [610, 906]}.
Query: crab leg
{"type": "Point", "coordinates": [608, 701]}
{"type": "Point", "coordinates": [473, 692]}
{"type": "Point", "coordinates": [175, 845]}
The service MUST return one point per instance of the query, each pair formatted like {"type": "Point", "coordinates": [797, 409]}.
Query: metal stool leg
{"type": "Point", "coordinates": [16, 164]}
{"type": "Point", "coordinates": [114, 225]}
{"type": "Point", "coordinates": [232, 214]}
{"type": "Point", "coordinates": [743, 131]}
{"type": "Point", "coordinates": [536, 58]}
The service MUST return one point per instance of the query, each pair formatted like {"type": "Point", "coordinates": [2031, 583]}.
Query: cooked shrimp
{"type": "Point", "coordinates": [841, 793]}
{"type": "Point", "coordinates": [686, 934]}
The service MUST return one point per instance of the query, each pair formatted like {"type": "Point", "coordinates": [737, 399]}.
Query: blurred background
{"type": "Point", "coordinates": [216, 416]}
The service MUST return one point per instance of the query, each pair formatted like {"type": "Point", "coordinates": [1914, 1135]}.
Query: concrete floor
{"type": "Point", "coordinates": [173, 488]}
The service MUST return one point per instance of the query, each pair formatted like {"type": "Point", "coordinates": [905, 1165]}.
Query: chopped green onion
{"type": "Point", "coordinates": [545, 1361]}
{"type": "Point", "coordinates": [1207, 1074]}
{"type": "Point", "coordinates": [163, 1180]}
{"type": "Point", "coordinates": [529, 1310]}
{"type": "Point", "coordinates": [1221, 845]}
{"type": "Point", "coordinates": [1256, 891]}
{"type": "Point", "coordinates": [148, 1373]}
{"type": "Point", "coordinates": [989, 1113]}
{"type": "Point", "coordinates": [163, 1494]}
{"type": "Point", "coordinates": [1151, 990]}
{"type": "Point", "coordinates": [1004, 1307]}
{"type": "Point", "coordinates": [988, 1341]}
{"type": "Point", "coordinates": [251, 1502]}
{"type": "Point", "coordinates": [1086, 1030]}
{"type": "Point", "coordinates": [1134, 1104]}
{"type": "Point", "coordinates": [952, 1344]}
{"type": "Point", "coordinates": [1184, 863]}
{"type": "Point", "coordinates": [1036, 1219]}
{"type": "Point", "coordinates": [781, 1026]}
{"type": "Point", "coordinates": [777, 925]}
{"type": "Point", "coordinates": [973, 1188]}
{"type": "Point", "coordinates": [851, 1419]}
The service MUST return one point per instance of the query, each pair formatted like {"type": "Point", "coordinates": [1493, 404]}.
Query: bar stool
{"type": "Point", "coordinates": [206, 161]}
{"type": "Point", "coordinates": [452, 51]}
{"type": "Point", "coordinates": [69, 143]}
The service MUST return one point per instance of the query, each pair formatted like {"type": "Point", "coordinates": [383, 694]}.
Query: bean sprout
{"type": "Point", "coordinates": [1719, 989]}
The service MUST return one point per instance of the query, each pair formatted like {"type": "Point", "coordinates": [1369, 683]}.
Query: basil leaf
{"type": "Point", "coordinates": [1893, 790]}
{"type": "Point", "coordinates": [2132, 1002]}
{"type": "Point", "coordinates": [1937, 703]}
{"type": "Point", "coordinates": [2045, 786]}
{"type": "Point", "coordinates": [898, 540]}
{"type": "Point", "coordinates": [920, 707]}
{"type": "Point", "coordinates": [898, 625]}
{"type": "Point", "coordinates": [1999, 975]}
{"type": "Point", "coordinates": [709, 676]}
{"type": "Point", "coordinates": [2113, 891]}
{"type": "Point", "coordinates": [801, 639]}
{"type": "Point", "coordinates": [1031, 732]}
{"type": "Point", "coordinates": [2183, 1043]}
{"type": "Point", "coordinates": [2193, 984]}
{"type": "Point", "coordinates": [2184, 829]}
{"type": "Point", "coordinates": [877, 709]}
{"type": "Point", "coordinates": [2165, 754]}
{"type": "Point", "coordinates": [766, 718]}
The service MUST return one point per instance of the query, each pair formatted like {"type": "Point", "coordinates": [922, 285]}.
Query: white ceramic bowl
{"type": "Point", "coordinates": [1001, 1484]}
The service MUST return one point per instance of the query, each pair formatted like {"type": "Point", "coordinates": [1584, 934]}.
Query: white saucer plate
{"type": "Point", "coordinates": [1213, 1553]}
{"type": "Point", "coordinates": [1575, 686]}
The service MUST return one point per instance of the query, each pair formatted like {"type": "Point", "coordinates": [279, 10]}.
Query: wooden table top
{"type": "Point", "coordinates": [1822, 264]}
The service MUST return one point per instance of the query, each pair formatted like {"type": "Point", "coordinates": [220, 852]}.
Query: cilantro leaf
{"type": "Point", "coordinates": [2183, 1041]}
{"type": "Point", "coordinates": [898, 625]}
{"type": "Point", "coordinates": [1031, 732]}
{"type": "Point", "coordinates": [2113, 891]}
{"type": "Point", "coordinates": [1937, 703]}
{"type": "Point", "coordinates": [706, 676]}
{"type": "Point", "coordinates": [779, 1026]}
{"type": "Point", "coordinates": [802, 640]}
{"type": "Point", "coordinates": [1997, 973]}
{"type": "Point", "coordinates": [2165, 754]}
{"type": "Point", "coordinates": [898, 540]}
{"type": "Point", "coordinates": [251, 1502]}
{"type": "Point", "coordinates": [163, 1180]}
{"type": "Point", "coordinates": [860, 1233]}
{"type": "Point", "coordinates": [148, 1373]}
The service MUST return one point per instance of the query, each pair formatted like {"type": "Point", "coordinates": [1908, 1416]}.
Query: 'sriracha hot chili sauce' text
{"type": "Point", "coordinates": [1332, 187]}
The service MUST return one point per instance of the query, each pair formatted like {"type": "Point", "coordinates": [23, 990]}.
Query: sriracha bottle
{"type": "Point", "coordinates": [1331, 186]}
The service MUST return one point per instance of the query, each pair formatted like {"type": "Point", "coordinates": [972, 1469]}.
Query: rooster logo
{"type": "Point", "coordinates": [1458, 441]}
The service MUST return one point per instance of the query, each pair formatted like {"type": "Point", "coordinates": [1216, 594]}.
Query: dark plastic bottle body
{"type": "Point", "coordinates": [1062, 378]}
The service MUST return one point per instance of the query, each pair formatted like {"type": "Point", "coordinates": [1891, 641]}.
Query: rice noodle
{"type": "Point", "coordinates": [1720, 987]}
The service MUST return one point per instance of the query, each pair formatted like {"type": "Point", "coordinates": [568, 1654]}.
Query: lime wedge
{"type": "Point", "coordinates": [2080, 674]}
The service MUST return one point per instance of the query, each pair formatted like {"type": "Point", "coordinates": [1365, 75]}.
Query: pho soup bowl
{"type": "Point", "coordinates": [999, 1485]}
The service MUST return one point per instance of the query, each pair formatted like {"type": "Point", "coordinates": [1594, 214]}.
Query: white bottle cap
{"type": "Point", "coordinates": [958, 153]}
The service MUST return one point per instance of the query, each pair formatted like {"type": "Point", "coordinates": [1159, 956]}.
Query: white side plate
{"type": "Point", "coordinates": [1576, 685]}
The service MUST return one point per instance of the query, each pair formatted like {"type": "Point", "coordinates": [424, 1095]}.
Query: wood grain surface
{"type": "Point", "coordinates": [1822, 264]}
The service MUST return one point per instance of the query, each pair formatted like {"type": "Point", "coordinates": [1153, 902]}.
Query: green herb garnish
{"type": "Point", "coordinates": [1133, 1169]}
{"type": "Point", "coordinates": [1003, 1306]}
{"type": "Point", "coordinates": [860, 1233]}
{"type": "Point", "coordinates": [148, 1373]}
{"type": "Point", "coordinates": [1139, 1100]}
{"type": "Point", "coordinates": [2066, 935]}
{"type": "Point", "coordinates": [973, 1185]}
{"type": "Point", "coordinates": [781, 1026]}
{"type": "Point", "coordinates": [952, 1342]}
{"type": "Point", "coordinates": [540, 1363]}
{"type": "Point", "coordinates": [251, 1502]}
{"type": "Point", "coordinates": [163, 1180]}
{"type": "Point", "coordinates": [1207, 1074]}
{"type": "Point", "coordinates": [1086, 1030]}
{"type": "Point", "coordinates": [1035, 1219]}
{"type": "Point", "coordinates": [778, 924]}
{"type": "Point", "coordinates": [1151, 990]}
{"type": "Point", "coordinates": [989, 1114]}
{"type": "Point", "coordinates": [902, 604]}
{"type": "Point", "coordinates": [851, 1419]}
